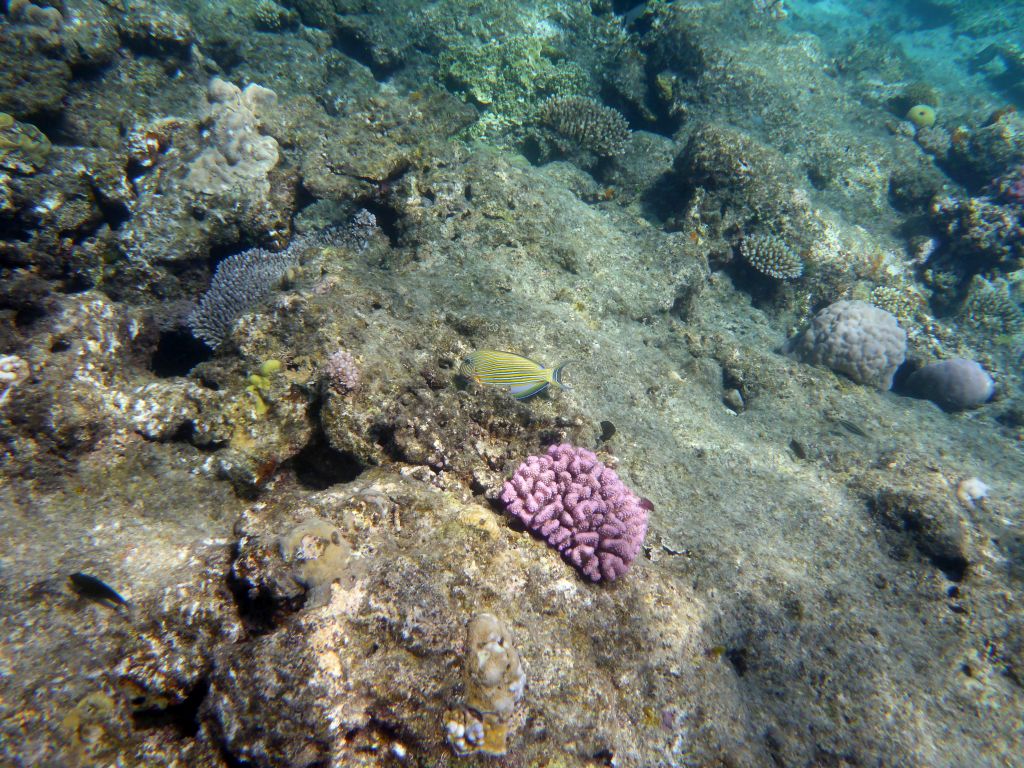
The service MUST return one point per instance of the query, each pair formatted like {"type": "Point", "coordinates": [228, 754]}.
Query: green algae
{"type": "Point", "coordinates": [23, 147]}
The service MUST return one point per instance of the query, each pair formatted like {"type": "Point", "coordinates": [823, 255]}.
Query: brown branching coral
{"type": "Point", "coordinates": [587, 123]}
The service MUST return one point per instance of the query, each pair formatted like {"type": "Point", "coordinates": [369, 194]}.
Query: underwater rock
{"type": "Point", "coordinates": [990, 150]}
{"type": "Point", "coordinates": [318, 555]}
{"type": "Point", "coordinates": [644, 160]}
{"type": "Point", "coordinates": [178, 627]}
{"type": "Point", "coordinates": [930, 520]}
{"type": "Point", "coordinates": [276, 701]}
{"type": "Point", "coordinates": [953, 385]}
{"type": "Point", "coordinates": [32, 81]}
{"type": "Point", "coordinates": [151, 27]}
{"type": "Point", "coordinates": [80, 361]}
{"type": "Point", "coordinates": [855, 338]}
{"type": "Point", "coordinates": [74, 192]}
{"type": "Point", "coordinates": [494, 685]}
{"type": "Point", "coordinates": [92, 39]}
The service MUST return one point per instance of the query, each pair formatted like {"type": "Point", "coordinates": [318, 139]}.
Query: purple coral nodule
{"type": "Point", "coordinates": [341, 372]}
{"type": "Point", "coordinates": [581, 508]}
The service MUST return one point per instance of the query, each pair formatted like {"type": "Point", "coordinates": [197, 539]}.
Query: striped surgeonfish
{"type": "Point", "coordinates": [519, 375]}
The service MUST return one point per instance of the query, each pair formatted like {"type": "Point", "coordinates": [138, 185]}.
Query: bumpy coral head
{"type": "Point", "coordinates": [581, 508]}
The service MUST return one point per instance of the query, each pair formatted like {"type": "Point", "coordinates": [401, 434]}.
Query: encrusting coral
{"type": "Point", "coordinates": [238, 156]}
{"type": "Point", "coordinates": [319, 555]}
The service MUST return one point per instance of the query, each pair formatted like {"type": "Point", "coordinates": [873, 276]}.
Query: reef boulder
{"type": "Point", "coordinates": [855, 338]}
{"type": "Point", "coordinates": [953, 385]}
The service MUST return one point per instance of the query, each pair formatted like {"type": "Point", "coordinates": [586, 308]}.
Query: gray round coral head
{"type": "Point", "coordinates": [855, 338]}
{"type": "Point", "coordinates": [953, 385]}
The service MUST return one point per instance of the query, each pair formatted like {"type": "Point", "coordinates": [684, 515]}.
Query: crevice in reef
{"type": "Point", "coordinates": [182, 717]}
{"type": "Point", "coordinates": [257, 608]}
{"type": "Point", "coordinates": [178, 352]}
{"type": "Point", "coordinates": [319, 466]}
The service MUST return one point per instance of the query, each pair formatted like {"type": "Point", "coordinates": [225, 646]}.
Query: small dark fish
{"type": "Point", "coordinates": [716, 652]}
{"type": "Point", "coordinates": [94, 589]}
{"type": "Point", "coordinates": [607, 431]}
{"type": "Point", "coordinates": [852, 428]}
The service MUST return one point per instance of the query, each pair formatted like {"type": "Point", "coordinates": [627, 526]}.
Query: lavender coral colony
{"type": "Point", "coordinates": [581, 508]}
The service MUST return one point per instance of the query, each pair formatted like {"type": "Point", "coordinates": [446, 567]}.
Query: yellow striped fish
{"type": "Point", "coordinates": [522, 377]}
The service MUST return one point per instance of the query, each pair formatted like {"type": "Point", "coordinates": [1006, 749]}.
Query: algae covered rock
{"type": "Point", "coordinates": [495, 682]}
{"type": "Point", "coordinates": [318, 554]}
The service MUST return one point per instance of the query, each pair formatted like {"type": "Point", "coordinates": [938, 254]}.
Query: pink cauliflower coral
{"type": "Point", "coordinates": [581, 508]}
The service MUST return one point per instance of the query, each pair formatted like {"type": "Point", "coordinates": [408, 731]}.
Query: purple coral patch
{"type": "Point", "coordinates": [581, 508]}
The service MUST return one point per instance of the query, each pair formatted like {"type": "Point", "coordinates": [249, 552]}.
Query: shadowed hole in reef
{"type": "Point", "coordinates": [258, 609]}
{"type": "Point", "coordinates": [953, 567]}
{"type": "Point", "coordinates": [387, 219]}
{"type": "Point", "coordinates": [318, 466]}
{"type": "Point", "coordinates": [738, 658]}
{"type": "Point", "coordinates": [232, 761]}
{"type": "Point", "coordinates": [183, 717]}
{"type": "Point", "coordinates": [177, 353]}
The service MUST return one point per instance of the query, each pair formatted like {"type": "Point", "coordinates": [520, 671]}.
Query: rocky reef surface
{"type": "Point", "coordinates": [282, 509]}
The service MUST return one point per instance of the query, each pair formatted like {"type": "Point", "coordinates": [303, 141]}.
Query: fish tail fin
{"type": "Point", "coordinates": [556, 374]}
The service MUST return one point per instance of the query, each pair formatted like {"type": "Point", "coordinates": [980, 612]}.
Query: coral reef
{"type": "Point", "coordinates": [770, 256]}
{"type": "Point", "coordinates": [855, 338]}
{"type": "Point", "coordinates": [240, 282]}
{"type": "Point", "coordinates": [300, 532]}
{"type": "Point", "coordinates": [508, 77]}
{"type": "Point", "coordinates": [586, 123]}
{"type": "Point", "coordinates": [954, 385]}
{"type": "Point", "coordinates": [984, 233]}
{"type": "Point", "coordinates": [580, 507]}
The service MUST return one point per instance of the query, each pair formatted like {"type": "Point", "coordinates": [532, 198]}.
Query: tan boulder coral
{"type": "Point", "coordinates": [495, 682]}
{"type": "Point", "coordinates": [238, 155]}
